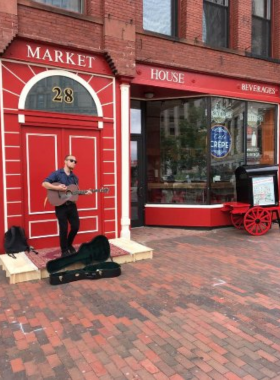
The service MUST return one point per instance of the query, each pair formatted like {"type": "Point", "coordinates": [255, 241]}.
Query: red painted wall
{"type": "Point", "coordinates": [26, 157]}
{"type": "Point", "coordinates": [186, 217]}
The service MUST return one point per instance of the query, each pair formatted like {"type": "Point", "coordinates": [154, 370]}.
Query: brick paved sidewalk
{"type": "Point", "coordinates": [206, 307]}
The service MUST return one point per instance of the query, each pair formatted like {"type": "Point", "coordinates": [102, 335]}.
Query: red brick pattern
{"type": "Point", "coordinates": [115, 28]}
{"type": "Point", "coordinates": [240, 25]}
{"type": "Point", "coordinates": [276, 30]}
{"type": "Point", "coordinates": [8, 29]}
{"type": "Point", "coordinates": [206, 307]}
{"type": "Point", "coordinates": [49, 26]}
{"type": "Point", "coordinates": [194, 12]}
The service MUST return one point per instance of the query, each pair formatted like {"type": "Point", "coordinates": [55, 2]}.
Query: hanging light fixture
{"type": "Point", "coordinates": [149, 95]}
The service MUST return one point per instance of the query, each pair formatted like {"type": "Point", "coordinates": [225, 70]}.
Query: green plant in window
{"type": "Point", "coordinates": [169, 153]}
{"type": "Point", "coordinates": [193, 133]}
{"type": "Point", "coordinates": [180, 177]}
{"type": "Point", "coordinates": [185, 150]}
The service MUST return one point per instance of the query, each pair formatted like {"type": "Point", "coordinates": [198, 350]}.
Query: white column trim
{"type": "Point", "coordinates": [2, 123]}
{"type": "Point", "coordinates": [125, 142]}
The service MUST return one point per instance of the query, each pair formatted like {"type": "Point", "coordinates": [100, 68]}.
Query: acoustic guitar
{"type": "Point", "coordinates": [58, 198]}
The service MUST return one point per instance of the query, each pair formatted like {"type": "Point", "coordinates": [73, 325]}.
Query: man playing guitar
{"type": "Point", "coordinates": [67, 212]}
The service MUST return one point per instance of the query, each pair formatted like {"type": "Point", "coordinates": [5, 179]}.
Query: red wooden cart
{"type": "Point", "coordinates": [256, 220]}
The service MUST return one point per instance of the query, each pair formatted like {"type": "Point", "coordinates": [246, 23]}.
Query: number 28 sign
{"type": "Point", "coordinates": [63, 95]}
{"type": "Point", "coordinates": [220, 141]}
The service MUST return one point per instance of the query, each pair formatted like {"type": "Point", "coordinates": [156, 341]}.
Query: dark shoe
{"type": "Point", "coordinates": [65, 253]}
{"type": "Point", "coordinates": [72, 250]}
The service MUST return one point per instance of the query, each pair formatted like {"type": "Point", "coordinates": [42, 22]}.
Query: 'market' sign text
{"type": "Point", "coordinates": [59, 56]}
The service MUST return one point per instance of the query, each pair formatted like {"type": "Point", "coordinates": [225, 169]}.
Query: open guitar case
{"type": "Point", "coordinates": [93, 256]}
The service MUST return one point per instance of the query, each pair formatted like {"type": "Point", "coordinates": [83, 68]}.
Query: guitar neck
{"type": "Point", "coordinates": [82, 192]}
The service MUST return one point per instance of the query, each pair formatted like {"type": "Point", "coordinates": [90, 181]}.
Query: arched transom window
{"type": "Point", "coordinates": [59, 93]}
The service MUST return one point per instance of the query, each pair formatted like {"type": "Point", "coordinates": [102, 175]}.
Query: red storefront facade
{"type": "Point", "coordinates": [34, 141]}
{"type": "Point", "coordinates": [164, 84]}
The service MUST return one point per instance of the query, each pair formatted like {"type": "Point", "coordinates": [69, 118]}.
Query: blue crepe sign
{"type": "Point", "coordinates": [220, 141]}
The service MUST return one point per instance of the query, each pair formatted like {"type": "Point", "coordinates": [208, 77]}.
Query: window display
{"type": "Point", "coordinates": [192, 154]}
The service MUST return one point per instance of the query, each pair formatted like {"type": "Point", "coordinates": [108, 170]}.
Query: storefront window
{"type": "Point", "coordinates": [60, 94]}
{"type": "Point", "coordinates": [192, 155]}
{"type": "Point", "coordinates": [177, 151]}
{"type": "Point", "coordinates": [70, 5]}
{"type": "Point", "coordinates": [135, 117]}
{"type": "Point", "coordinates": [227, 147]}
{"type": "Point", "coordinates": [261, 134]}
{"type": "Point", "coordinates": [160, 16]}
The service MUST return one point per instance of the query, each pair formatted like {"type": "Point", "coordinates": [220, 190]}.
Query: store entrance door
{"type": "Point", "coordinates": [137, 188]}
{"type": "Point", "coordinates": [137, 164]}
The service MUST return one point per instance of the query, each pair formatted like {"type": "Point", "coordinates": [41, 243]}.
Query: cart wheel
{"type": "Point", "coordinates": [257, 221]}
{"type": "Point", "coordinates": [238, 221]}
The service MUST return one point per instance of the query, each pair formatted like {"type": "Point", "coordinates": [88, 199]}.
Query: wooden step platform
{"type": "Point", "coordinates": [29, 266]}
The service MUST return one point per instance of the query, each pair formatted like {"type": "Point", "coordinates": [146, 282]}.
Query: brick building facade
{"type": "Point", "coordinates": [134, 71]}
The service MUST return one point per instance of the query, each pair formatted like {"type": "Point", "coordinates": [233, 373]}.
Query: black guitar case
{"type": "Point", "coordinates": [93, 256]}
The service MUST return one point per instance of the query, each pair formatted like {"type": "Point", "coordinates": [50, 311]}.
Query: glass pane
{"type": "Point", "coordinates": [71, 5]}
{"type": "Point", "coordinates": [157, 16]}
{"type": "Point", "coordinates": [135, 117]}
{"type": "Point", "coordinates": [134, 179]}
{"type": "Point", "coordinates": [177, 151]}
{"type": "Point", "coordinates": [227, 147]}
{"type": "Point", "coordinates": [260, 37]}
{"type": "Point", "coordinates": [177, 147]}
{"type": "Point", "coordinates": [261, 134]}
{"type": "Point", "coordinates": [220, 2]}
{"type": "Point", "coordinates": [215, 25]}
{"type": "Point", "coordinates": [60, 94]}
{"type": "Point", "coordinates": [261, 8]}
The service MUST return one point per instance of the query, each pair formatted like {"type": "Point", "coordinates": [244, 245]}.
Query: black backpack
{"type": "Point", "coordinates": [15, 241]}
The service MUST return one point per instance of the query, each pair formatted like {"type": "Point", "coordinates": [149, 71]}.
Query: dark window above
{"type": "Point", "coordinates": [215, 23]}
{"type": "Point", "coordinates": [261, 27]}
{"type": "Point", "coordinates": [70, 5]}
{"type": "Point", "coordinates": [261, 8]}
{"type": "Point", "coordinates": [219, 2]}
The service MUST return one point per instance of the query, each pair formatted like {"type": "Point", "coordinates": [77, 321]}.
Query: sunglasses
{"type": "Point", "coordinates": [71, 160]}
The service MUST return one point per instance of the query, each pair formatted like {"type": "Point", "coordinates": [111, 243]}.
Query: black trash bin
{"type": "Point", "coordinates": [257, 185]}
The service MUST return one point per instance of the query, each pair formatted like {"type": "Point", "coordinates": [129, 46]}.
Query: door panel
{"type": "Point", "coordinates": [44, 152]}
{"type": "Point", "coordinates": [84, 148]}
{"type": "Point", "coordinates": [41, 159]}
{"type": "Point", "coordinates": [83, 145]}
{"type": "Point", "coordinates": [43, 228]}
